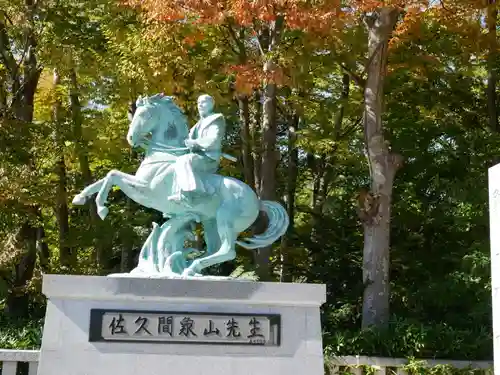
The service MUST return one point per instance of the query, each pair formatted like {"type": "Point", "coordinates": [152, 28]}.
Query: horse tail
{"type": "Point", "coordinates": [277, 227]}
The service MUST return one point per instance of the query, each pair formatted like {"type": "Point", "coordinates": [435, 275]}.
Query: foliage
{"type": "Point", "coordinates": [105, 54]}
{"type": "Point", "coordinates": [413, 367]}
{"type": "Point", "coordinates": [21, 334]}
{"type": "Point", "coordinates": [412, 339]}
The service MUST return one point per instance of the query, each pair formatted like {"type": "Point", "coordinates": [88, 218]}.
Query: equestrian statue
{"type": "Point", "coordinates": [178, 177]}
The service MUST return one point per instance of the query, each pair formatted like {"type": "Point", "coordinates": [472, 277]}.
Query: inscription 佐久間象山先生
{"type": "Point", "coordinates": [184, 327]}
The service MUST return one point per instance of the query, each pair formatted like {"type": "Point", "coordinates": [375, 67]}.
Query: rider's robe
{"type": "Point", "coordinates": [190, 168]}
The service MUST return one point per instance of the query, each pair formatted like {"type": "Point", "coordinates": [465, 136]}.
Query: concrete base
{"type": "Point", "coordinates": [66, 349]}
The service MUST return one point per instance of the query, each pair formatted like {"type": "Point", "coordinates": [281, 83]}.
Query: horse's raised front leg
{"type": "Point", "coordinates": [226, 252]}
{"type": "Point", "coordinates": [82, 197]}
{"type": "Point", "coordinates": [133, 187]}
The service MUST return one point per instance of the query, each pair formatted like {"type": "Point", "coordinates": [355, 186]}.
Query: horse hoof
{"type": "Point", "coordinates": [103, 212]}
{"type": "Point", "coordinates": [79, 200]}
{"type": "Point", "coordinates": [188, 272]}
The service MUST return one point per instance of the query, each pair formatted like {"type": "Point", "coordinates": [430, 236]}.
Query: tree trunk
{"type": "Point", "coordinates": [344, 96]}
{"type": "Point", "coordinates": [43, 250]}
{"type": "Point", "coordinates": [315, 165]}
{"type": "Point", "coordinates": [269, 153]}
{"type": "Point", "coordinates": [293, 171]}
{"type": "Point", "coordinates": [83, 160]}
{"type": "Point", "coordinates": [256, 130]}
{"type": "Point", "coordinates": [269, 164]}
{"type": "Point", "coordinates": [383, 165]}
{"type": "Point", "coordinates": [491, 90]}
{"type": "Point", "coordinates": [76, 116]}
{"type": "Point", "coordinates": [126, 261]}
{"type": "Point", "coordinates": [321, 170]}
{"type": "Point", "coordinates": [3, 94]}
{"type": "Point", "coordinates": [61, 209]}
{"type": "Point", "coordinates": [268, 168]}
{"type": "Point", "coordinates": [246, 143]}
{"type": "Point", "coordinates": [21, 108]}
{"type": "Point", "coordinates": [17, 301]}
{"type": "Point", "coordinates": [323, 167]}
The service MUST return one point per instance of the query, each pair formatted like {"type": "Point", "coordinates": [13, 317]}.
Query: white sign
{"type": "Point", "coordinates": [184, 327]}
{"type": "Point", "coordinates": [494, 206]}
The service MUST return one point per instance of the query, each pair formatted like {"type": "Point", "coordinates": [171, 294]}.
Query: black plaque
{"type": "Point", "coordinates": [184, 327]}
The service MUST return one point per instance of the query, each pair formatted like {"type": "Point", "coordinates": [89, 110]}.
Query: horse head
{"type": "Point", "coordinates": [158, 114]}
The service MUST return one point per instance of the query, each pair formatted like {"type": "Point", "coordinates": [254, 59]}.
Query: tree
{"type": "Point", "coordinates": [257, 33]}
{"type": "Point", "coordinates": [383, 164]}
{"type": "Point", "coordinates": [388, 23]}
{"type": "Point", "coordinates": [20, 70]}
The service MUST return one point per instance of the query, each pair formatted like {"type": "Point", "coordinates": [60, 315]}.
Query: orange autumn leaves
{"type": "Point", "coordinates": [318, 18]}
{"type": "Point", "coordinates": [252, 16]}
{"type": "Point", "coordinates": [298, 13]}
{"type": "Point", "coordinates": [250, 76]}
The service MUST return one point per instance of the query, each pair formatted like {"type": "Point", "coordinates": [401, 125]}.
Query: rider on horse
{"type": "Point", "coordinates": [227, 206]}
{"type": "Point", "coordinates": [205, 143]}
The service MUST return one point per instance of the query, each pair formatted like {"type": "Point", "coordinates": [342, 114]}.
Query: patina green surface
{"type": "Point", "coordinates": [178, 178]}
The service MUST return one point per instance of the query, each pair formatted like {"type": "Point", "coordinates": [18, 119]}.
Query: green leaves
{"type": "Point", "coordinates": [435, 115]}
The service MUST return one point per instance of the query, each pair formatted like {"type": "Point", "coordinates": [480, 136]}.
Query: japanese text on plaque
{"type": "Point", "coordinates": [185, 327]}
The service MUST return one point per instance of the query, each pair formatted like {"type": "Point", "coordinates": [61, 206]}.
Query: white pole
{"type": "Point", "coordinates": [494, 205]}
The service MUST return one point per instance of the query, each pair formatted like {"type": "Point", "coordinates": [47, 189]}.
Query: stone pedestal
{"type": "Point", "coordinates": [122, 326]}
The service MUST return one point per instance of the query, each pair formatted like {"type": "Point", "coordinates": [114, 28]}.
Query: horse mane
{"type": "Point", "coordinates": [163, 102]}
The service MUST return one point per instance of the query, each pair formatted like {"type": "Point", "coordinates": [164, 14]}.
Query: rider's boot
{"type": "Point", "coordinates": [177, 197]}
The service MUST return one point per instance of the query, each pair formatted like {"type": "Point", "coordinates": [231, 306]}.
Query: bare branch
{"type": "Point", "coordinates": [276, 29]}
{"type": "Point", "coordinates": [5, 51]}
{"type": "Point", "coordinates": [259, 44]}
{"type": "Point", "coordinates": [352, 128]}
{"type": "Point", "coordinates": [228, 37]}
{"type": "Point", "coordinates": [7, 17]}
{"type": "Point", "coordinates": [241, 46]}
{"type": "Point", "coordinates": [360, 81]}
{"type": "Point", "coordinates": [26, 81]}
{"type": "Point", "coordinates": [443, 6]}
{"type": "Point", "coordinates": [25, 50]}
